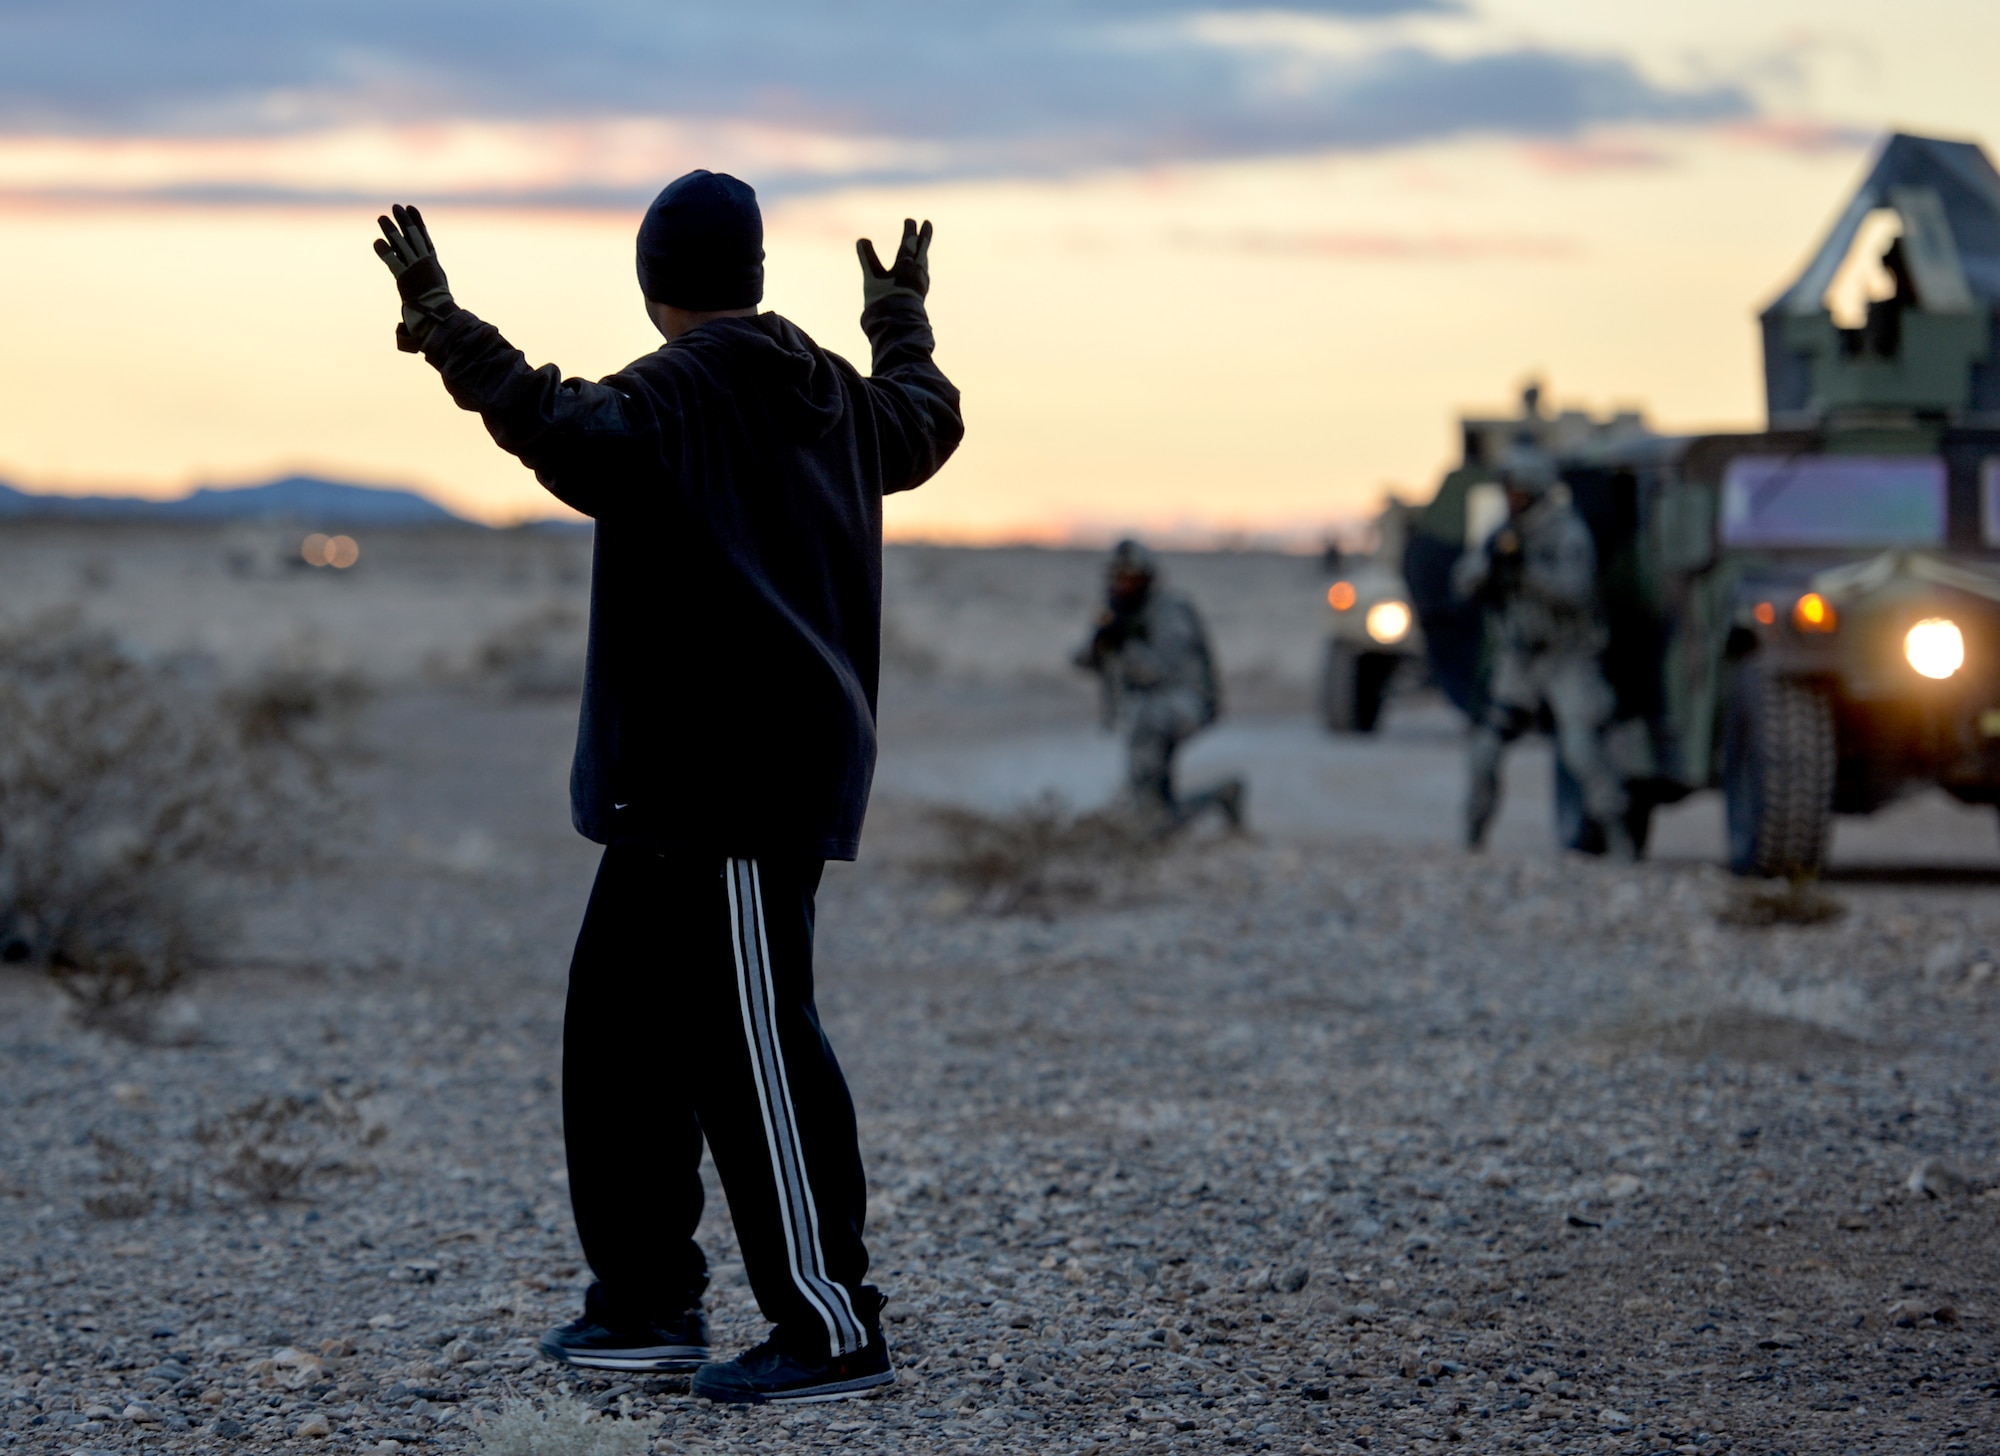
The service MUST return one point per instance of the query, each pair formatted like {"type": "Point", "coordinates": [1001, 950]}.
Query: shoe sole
{"type": "Point", "coordinates": [855, 1389]}
{"type": "Point", "coordinates": [681, 1358]}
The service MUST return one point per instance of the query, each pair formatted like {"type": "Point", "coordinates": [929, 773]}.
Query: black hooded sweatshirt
{"type": "Point", "coordinates": [736, 476]}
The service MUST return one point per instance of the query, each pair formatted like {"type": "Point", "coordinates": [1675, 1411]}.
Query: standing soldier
{"type": "Point", "coordinates": [736, 476]}
{"type": "Point", "coordinates": [1151, 655]}
{"type": "Point", "coordinates": [1538, 575]}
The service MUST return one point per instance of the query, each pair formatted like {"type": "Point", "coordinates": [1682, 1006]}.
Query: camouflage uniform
{"type": "Point", "coordinates": [1538, 574]}
{"type": "Point", "coordinates": [1151, 655]}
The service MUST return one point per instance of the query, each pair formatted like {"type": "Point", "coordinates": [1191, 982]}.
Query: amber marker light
{"type": "Point", "coordinates": [313, 549]}
{"type": "Point", "coordinates": [1388, 622]}
{"type": "Point", "coordinates": [1935, 647]}
{"type": "Point", "coordinates": [1340, 596]}
{"type": "Point", "coordinates": [342, 552]}
{"type": "Point", "coordinates": [1764, 612]}
{"type": "Point", "coordinates": [1814, 613]}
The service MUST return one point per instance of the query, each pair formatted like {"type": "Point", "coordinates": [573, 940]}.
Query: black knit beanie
{"type": "Point", "coordinates": [701, 246]}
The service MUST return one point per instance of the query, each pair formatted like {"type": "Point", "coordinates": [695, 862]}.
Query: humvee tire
{"type": "Point", "coordinates": [1777, 774]}
{"type": "Point", "coordinates": [1352, 685]}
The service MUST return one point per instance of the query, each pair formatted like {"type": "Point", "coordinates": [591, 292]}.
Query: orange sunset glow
{"type": "Point", "coordinates": [1244, 339]}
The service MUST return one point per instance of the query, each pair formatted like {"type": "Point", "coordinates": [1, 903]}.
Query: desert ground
{"type": "Point", "coordinates": [1327, 1138]}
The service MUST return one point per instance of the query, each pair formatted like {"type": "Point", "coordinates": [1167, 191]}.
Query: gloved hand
{"type": "Point", "coordinates": [909, 276]}
{"type": "Point", "coordinates": [405, 246]}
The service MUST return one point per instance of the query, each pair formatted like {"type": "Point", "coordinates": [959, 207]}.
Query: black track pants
{"type": "Point", "coordinates": [691, 1016]}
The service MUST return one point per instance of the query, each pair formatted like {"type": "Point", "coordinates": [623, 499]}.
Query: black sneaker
{"type": "Point", "coordinates": [679, 1344]}
{"type": "Point", "coordinates": [767, 1374]}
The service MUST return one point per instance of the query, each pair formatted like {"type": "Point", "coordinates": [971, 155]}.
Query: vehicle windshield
{"type": "Point", "coordinates": [1834, 500]}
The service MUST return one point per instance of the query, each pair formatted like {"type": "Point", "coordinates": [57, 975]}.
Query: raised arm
{"type": "Point", "coordinates": [916, 408]}
{"type": "Point", "coordinates": [582, 439]}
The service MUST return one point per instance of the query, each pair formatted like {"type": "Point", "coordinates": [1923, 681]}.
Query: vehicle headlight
{"type": "Point", "coordinates": [1935, 647]}
{"type": "Point", "coordinates": [1388, 622]}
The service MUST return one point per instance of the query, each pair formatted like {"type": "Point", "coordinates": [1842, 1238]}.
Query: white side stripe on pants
{"type": "Point", "coordinates": [799, 1215]}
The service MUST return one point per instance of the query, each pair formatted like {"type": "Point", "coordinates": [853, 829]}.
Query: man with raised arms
{"type": "Point", "coordinates": [724, 754]}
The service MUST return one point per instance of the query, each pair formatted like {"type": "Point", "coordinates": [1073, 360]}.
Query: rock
{"type": "Point", "coordinates": [294, 1368]}
{"type": "Point", "coordinates": [460, 1350]}
{"type": "Point", "coordinates": [1908, 1313]}
{"type": "Point", "coordinates": [1945, 958]}
{"type": "Point", "coordinates": [1622, 1185]}
{"type": "Point", "coordinates": [315, 1427]}
{"type": "Point", "coordinates": [1293, 1279]}
{"type": "Point", "coordinates": [1613, 1420]}
{"type": "Point", "coordinates": [1934, 1178]}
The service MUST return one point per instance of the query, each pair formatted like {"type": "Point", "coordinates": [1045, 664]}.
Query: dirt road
{"type": "Point", "coordinates": [1328, 1141]}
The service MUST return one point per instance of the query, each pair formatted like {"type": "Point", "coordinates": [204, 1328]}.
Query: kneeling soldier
{"type": "Point", "coordinates": [1151, 655]}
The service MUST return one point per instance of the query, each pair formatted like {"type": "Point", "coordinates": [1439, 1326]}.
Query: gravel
{"type": "Point", "coordinates": [1270, 1146]}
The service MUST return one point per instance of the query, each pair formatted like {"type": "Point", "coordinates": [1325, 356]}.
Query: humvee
{"type": "Point", "coordinates": [1373, 643]}
{"type": "Point", "coordinates": [1808, 617]}
{"type": "Point", "coordinates": [1831, 587]}
{"type": "Point", "coordinates": [1391, 619]}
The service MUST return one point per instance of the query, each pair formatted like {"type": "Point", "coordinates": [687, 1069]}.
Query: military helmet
{"type": "Point", "coordinates": [1529, 468]}
{"type": "Point", "coordinates": [1131, 558]}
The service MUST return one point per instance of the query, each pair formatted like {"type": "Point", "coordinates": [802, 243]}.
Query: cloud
{"type": "Point", "coordinates": [1596, 154]}
{"type": "Point", "coordinates": [895, 88]}
{"type": "Point", "coordinates": [1805, 137]}
{"type": "Point", "coordinates": [1384, 247]}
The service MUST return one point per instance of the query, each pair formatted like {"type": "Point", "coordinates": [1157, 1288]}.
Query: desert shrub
{"type": "Point", "coordinates": [132, 796]}
{"type": "Point", "coordinates": [565, 1426]}
{"type": "Point", "coordinates": [1041, 857]}
{"type": "Point", "coordinates": [539, 655]}
{"type": "Point", "coordinates": [299, 706]}
{"type": "Point", "coordinates": [269, 1148]}
{"type": "Point", "coordinates": [126, 1182]}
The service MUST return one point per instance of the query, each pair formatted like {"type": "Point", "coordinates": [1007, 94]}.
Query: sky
{"type": "Point", "coordinates": [1211, 271]}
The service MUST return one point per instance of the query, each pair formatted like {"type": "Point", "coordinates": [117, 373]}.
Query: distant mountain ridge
{"type": "Point", "coordinates": [304, 499]}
